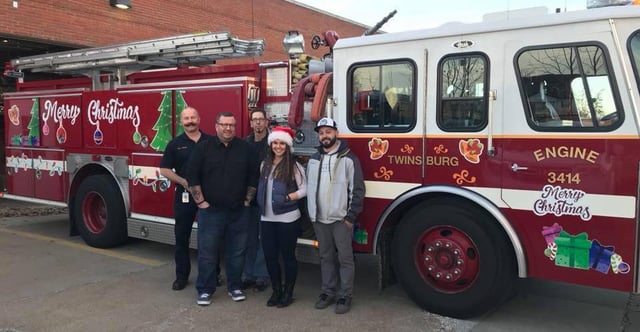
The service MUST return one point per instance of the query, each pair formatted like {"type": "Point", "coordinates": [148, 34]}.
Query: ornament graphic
{"type": "Point", "coordinates": [137, 138]}
{"type": "Point", "coordinates": [45, 129]}
{"type": "Point", "coordinates": [61, 134]}
{"type": "Point", "coordinates": [162, 127]}
{"type": "Point", "coordinates": [97, 135]}
{"type": "Point", "coordinates": [144, 142]}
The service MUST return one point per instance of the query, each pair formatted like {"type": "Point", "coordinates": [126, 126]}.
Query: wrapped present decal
{"type": "Point", "coordinates": [578, 252]}
{"type": "Point", "coordinates": [600, 256]}
{"type": "Point", "coordinates": [573, 251]}
{"type": "Point", "coordinates": [551, 232]}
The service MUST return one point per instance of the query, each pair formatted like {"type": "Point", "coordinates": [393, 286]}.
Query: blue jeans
{"type": "Point", "coordinates": [255, 267]}
{"type": "Point", "coordinates": [215, 226]}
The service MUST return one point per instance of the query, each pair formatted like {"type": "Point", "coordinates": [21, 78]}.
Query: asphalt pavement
{"type": "Point", "coordinates": [52, 282]}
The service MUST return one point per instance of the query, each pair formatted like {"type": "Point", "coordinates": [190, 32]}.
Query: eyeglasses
{"type": "Point", "coordinates": [258, 120]}
{"type": "Point", "coordinates": [226, 125]}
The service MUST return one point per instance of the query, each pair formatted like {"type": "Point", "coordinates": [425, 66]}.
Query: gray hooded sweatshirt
{"type": "Point", "coordinates": [335, 189]}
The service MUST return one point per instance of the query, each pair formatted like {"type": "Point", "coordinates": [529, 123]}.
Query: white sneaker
{"type": "Point", "coordinates": [237, 295]}
{"type": "Point", "coordinates": [204, 299]}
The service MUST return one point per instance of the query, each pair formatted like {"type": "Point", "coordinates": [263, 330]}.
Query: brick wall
{"type": "Point", "coordinates": [88, 23]}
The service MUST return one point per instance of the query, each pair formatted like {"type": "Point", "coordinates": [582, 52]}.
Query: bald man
{"type": "Point", "coordinates": [173, 166]}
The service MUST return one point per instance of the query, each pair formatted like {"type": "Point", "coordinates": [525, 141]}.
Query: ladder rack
{"type": "Point", "coordinates": [192, 49]}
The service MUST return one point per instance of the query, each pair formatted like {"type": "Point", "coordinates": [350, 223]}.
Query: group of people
{"type": "Point", "coordinates": [246, 196]}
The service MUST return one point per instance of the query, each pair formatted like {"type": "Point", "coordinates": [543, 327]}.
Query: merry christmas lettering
{"type": "Point", "coordinates": [113, 110]}
{"type": "Point", "coordinates": [562, 151]}
{"type": "Point", "coordinates": [558, 201]}
{"type": "Point", "coordinates": [60, 112]}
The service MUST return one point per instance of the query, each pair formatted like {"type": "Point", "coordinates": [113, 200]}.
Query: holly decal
{"type": "Point", "coordinates": [14, 115]}
{"type": "Point", "coordinates": [162, 127]}
{"type": "Point", "coordinates": [378, 148]}
{"type": "Point", "coordinates": [471, 149]}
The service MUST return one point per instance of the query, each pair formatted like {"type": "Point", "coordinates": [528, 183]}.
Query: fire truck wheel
{"type": "Point", "coordinates": [100, 213]}
{"type": "Point", "coordinates": [453, 259]}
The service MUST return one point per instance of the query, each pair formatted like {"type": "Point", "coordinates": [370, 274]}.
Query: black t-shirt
{"type": "Point", "coordinates": [223, 171]}
{"type": "Point", "coordinates": [176, 154]}
{"type": "Point", "coordinates": [260, 148]}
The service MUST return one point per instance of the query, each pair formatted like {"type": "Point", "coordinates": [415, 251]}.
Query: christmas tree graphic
{"type": "Point", "coordinates": [163, 124]}
{"type": "Point", "coordinates": [34, 125]}
{"type": "Point", "coordinates": [180, 105]}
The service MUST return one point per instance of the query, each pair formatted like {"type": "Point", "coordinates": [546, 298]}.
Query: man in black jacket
{"type": "Point", "coordinates": [223, 174]}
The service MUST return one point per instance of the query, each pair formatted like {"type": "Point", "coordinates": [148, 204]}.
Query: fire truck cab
{"type": "Point", "coordinates": [490, 151]}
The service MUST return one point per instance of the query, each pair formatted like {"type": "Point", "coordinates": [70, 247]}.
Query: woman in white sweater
{"type": "Point", "coordinates": [282, 183]}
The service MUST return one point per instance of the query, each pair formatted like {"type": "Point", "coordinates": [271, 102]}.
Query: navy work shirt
{"type": "Point", "coordinates": [176, 155]}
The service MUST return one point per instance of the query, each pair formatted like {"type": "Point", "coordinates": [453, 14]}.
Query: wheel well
{"type": "Point", "coordinates": [393, 217]}
{"type": "Point", "coordinates": [81, 175]}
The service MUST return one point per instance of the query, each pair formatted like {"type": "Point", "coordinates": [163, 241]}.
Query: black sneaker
{"type": "Point", "coordinates": [179, 284]}
{"type": "Point", "coordinates": [260, 286]}
{"type": "Point", "coordinates": [220, 281]}
{"type": "Point", "coordinates": [247, 283]}
{"type": "Point", "coordinates": [324, 300]}
{"type": "Point", "coordinates": [343, 305]}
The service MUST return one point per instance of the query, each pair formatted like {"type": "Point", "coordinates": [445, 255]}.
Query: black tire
{"type": "Point", "coordinates": [427, 270]}
{"type": "Point", "coordinates": [100, 213]}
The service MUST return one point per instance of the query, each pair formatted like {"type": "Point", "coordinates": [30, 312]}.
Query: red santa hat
{"type": "Point", "coordinates": [282, 134]}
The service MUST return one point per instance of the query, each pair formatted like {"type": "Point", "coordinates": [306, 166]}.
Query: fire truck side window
{"type": "Point", "coordinates": [634, 51]}
{"type": "Point", "coordinates": [463, 92]}
{"type": "Point", "coordinates": [568, 89]}
{"type": "Point", "coordinates": [383, 96]}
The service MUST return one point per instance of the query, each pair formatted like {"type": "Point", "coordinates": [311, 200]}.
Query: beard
{"type": "Point", "coordinates": [327, 143]}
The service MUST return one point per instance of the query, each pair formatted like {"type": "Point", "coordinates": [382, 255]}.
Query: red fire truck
{"type": "Point", "coordinates": [491, 151]}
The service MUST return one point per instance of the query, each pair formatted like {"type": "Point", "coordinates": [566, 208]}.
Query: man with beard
{"type": "Point", "coordinates": [335, 194]}
{"type": "Point", "coordinates": [173, 166]}
{"type": "Point", "coordinates": [223, 174]}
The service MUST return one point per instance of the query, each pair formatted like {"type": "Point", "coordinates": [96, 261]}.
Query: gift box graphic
{"type": "Point", "coordinates": [600, 257]}
{"type": "Point", "coordinates": [573, 250]}
{"type": "Point", "coordinates": [551, 232]}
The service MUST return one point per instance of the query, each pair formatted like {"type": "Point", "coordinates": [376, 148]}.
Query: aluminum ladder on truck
{"type": "Point", "coordinates": [184, 50]}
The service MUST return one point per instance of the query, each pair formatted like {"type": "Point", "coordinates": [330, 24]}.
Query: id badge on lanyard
{"type": "Point", "coordinates": [185, 196]}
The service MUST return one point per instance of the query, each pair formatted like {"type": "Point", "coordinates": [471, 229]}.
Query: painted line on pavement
{"type": "Point", "coordinates": [81, 246]}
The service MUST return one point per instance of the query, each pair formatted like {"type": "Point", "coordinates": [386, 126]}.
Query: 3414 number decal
{"type": "Point", "coordinates": [569, 178]}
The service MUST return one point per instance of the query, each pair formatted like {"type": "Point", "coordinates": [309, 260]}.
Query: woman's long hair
{"type": "Point", "coordinates": [285, 169]}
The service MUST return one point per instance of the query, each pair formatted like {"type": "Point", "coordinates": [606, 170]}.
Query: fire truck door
{"type": "Point", "coordinates": [211, 100]}
{"type": "Point", "coordinates": [563, 153]}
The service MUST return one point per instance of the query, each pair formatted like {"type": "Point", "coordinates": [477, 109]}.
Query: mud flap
{"type": "Point", "coordinates": [386, 277]}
